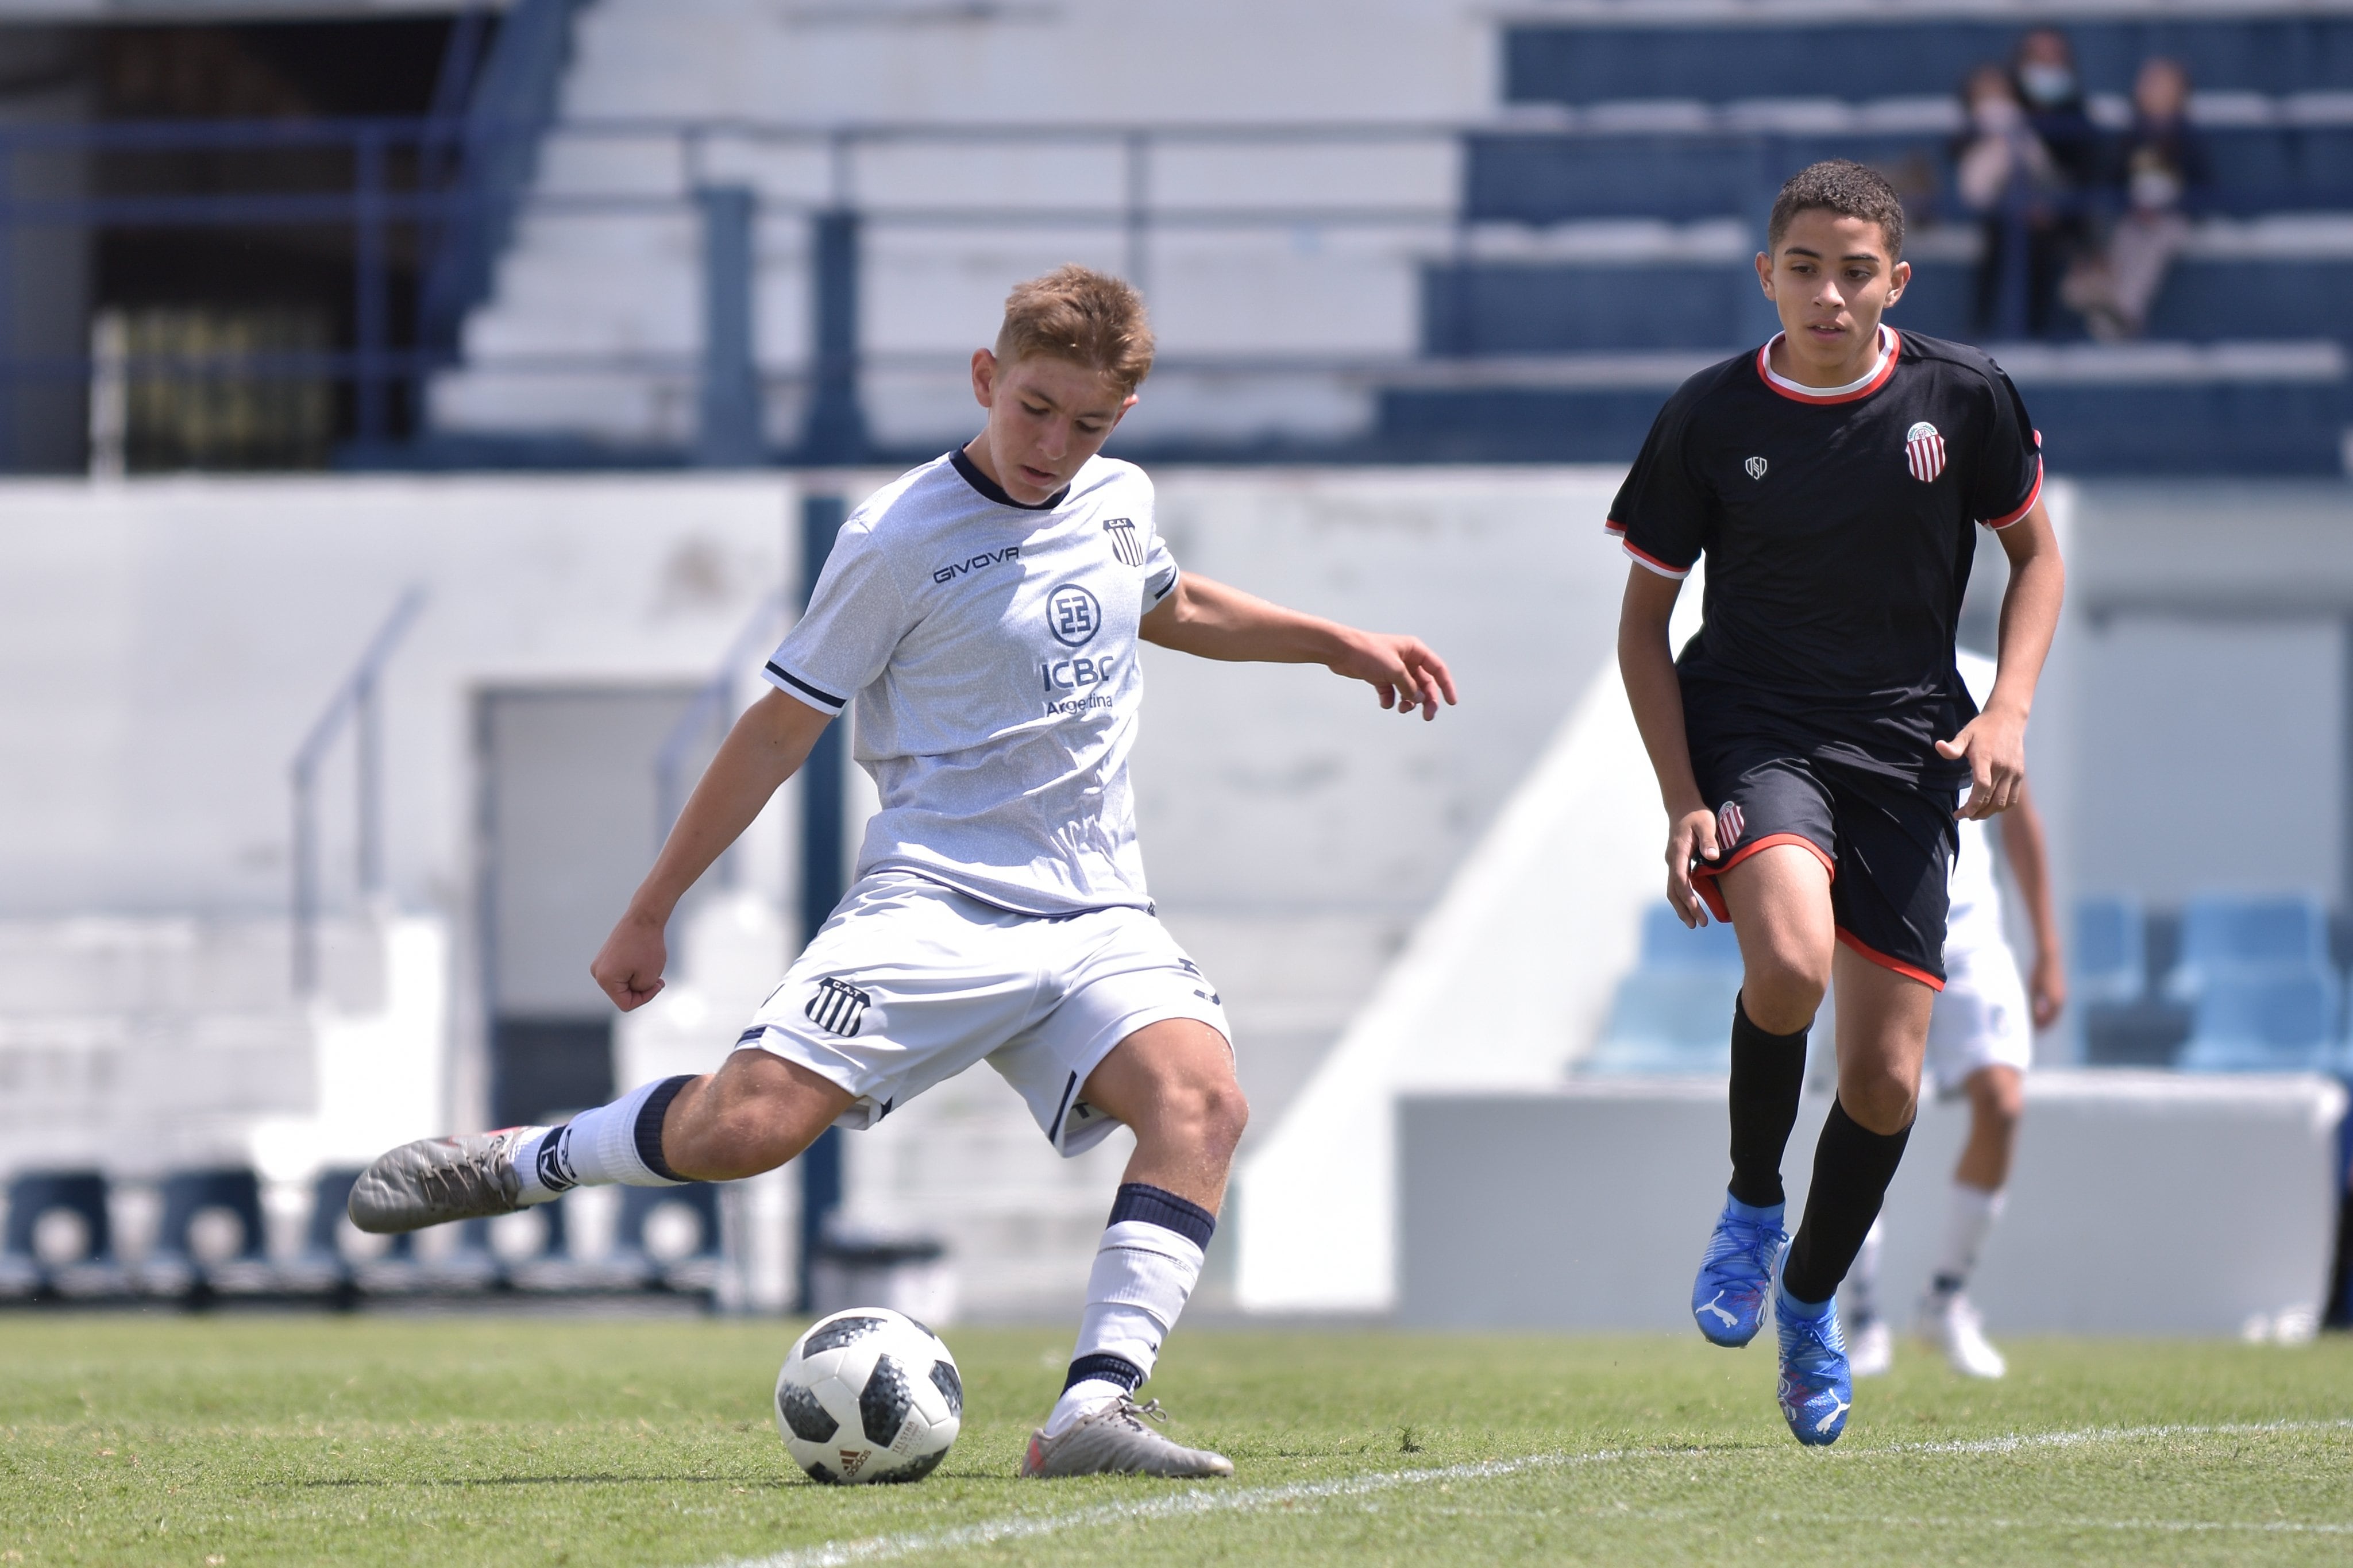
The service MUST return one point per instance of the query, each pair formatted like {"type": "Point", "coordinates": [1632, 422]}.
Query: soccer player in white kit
{"type": "Point", "coordinates": [1981, 1042]}
{"type": "Point", "coordinates": [981, 614]}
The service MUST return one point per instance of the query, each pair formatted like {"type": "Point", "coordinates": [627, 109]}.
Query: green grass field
{"type": "Point", "coordinates": [262, 1439]}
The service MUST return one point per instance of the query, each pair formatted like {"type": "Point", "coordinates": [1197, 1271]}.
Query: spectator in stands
{"type": "Point", "coordinates": [2025, 159]}
{"type": "Point", "coordinates": [2160, 162]}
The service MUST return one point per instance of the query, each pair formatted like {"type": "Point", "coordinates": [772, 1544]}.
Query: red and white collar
{"type": "Point", "coordinates": [1863, 385]}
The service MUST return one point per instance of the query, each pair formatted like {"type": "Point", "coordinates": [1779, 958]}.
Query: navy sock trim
{"type": "Point", "coordinates": [1116, 1369]}
{"type": "Point", "coordinates": [649, 1125]}
{"type": "Point", "coordinates": [1153, 1205]}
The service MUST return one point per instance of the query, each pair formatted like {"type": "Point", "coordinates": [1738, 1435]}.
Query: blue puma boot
{"type": "Point", "coordinates": [1728, 1297]}
{"type": "Point", "coordinates": [1817, 1386]}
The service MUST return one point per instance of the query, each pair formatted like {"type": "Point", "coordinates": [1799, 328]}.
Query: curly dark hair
{"type": "Point", "coordinates": [1847, 188]}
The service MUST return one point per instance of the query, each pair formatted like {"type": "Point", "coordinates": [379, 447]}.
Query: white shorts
{"type": "Point", "coordinates": [1981, 1018]}
{"type": "Point", "coordinates": [909, 983]}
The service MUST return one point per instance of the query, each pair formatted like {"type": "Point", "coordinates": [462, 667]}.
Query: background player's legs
{"type": "Point", "coordinates": [1172, 1082]}
{"type": "Point", "coordinates": [1870, 1344]}
{"type": "Point", "coordinates": [1997, 1099]}
{"type": "Point", "coordinates": [1883, 1031]}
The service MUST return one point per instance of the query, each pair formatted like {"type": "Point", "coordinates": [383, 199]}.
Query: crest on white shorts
{"type": "Point", "coordinates": [1729, 826]}
{"type": "Point", "coordinates": [1755, 467]}
{"type": "Point", "coordinates": [838, 1006]}
{"type": "Point", "coordinates": [1924, 452]}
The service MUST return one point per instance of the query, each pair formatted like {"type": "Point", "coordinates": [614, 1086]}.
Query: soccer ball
{"type": "Point", "coordinates": [869, 1394]}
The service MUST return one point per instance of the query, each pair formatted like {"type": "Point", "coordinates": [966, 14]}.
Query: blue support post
{"type": "Point", "coordinates": [824, 880]}
{"type": "Point", "coordinates": [2015, 316]}
{"type": "Point", "coordinates": [727, 431]}
{"type": "Point", "coordinates": [837, 426]}
{"type": "Point", "coordinates": [371, 307]}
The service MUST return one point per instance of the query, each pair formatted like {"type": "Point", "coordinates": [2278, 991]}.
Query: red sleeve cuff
{"type": "Point", "coordinates": [2025, 506]}
{"type": "Point", "coordinates": [1642, 558]}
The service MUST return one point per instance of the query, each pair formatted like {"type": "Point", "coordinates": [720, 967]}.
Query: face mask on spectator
{"type": "Point", "coordinates": [2045, 83]}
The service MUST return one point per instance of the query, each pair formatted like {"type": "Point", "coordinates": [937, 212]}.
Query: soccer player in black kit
{"type": "Point", "coordinates": [1813, 742]}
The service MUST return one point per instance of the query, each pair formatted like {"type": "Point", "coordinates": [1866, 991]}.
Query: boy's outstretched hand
{"type": "Point", "coordinates": [1403, 669]}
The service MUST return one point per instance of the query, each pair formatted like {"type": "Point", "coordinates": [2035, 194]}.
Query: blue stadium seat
{"type": "Point", "coordinates": [321, 1269]}
{"type": "Point", "coordinates": [1669, 1021]}
{"type": "Point", "coordinates": [174, 1269]}
{"type": "Point", "coordinates": [2229, 933]}
{"type": "Point", "coordinates": [695, 1269]}
{"type": "Point", "coordinates": [2108, 961]}
{"type": "Point", "coordinates": [1668, 943]}
{"type": "Point", "coordinates": [94, 1271]}
{"type": "Point", "coordinates": [2282, 1021]}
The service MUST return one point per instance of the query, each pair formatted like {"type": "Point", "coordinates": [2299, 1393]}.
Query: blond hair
{"type": "Point", "coordinates": [1078, 314]}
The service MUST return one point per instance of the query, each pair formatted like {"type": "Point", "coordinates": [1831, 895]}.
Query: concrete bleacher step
{"type": "Point", "coordinates": [2240, 282]}
{"type": "Point", "coordinates": [1703, 160]}
{"type": "Point", "coordinates": [2292, 50]}
{"type": "Point", "coordinates": [2221, 424]}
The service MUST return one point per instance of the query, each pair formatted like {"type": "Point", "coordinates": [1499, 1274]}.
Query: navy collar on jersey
{"type": "Point", "coordinates": [995, 491]}
{"type": "Point", "coordinates": [1891, 347]}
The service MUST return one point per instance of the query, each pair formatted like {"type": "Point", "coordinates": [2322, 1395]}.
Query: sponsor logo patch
{"type": "Point", "coordinates": [852, 1461]}
{"type": "Point", "coordinates": [838, 1006]}
{"type": "Point", "coordinates": [1924, 452]}
{"type": "Point", "coordinates": [980, 563]}
{"type": "Point", "coordinates": [1072, 615]}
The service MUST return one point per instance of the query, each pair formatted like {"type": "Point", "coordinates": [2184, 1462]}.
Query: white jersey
{"type": "Point", "coordinates": [1973, 925]}
{"type": "Point", "coordinates": [990, 650]}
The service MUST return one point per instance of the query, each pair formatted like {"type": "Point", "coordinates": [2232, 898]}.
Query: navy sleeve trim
{"type": "Point", "coordinates": [778, 673]}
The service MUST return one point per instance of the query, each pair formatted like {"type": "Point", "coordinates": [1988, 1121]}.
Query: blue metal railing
{"type": "Point", "coordinates": [354, 704]}
{"type": "Point", "coordinates": [455, 188]}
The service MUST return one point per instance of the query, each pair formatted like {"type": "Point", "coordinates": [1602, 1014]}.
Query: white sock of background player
{"type": "Point", "coordinates": [1144, 1270]}
{"type": "Point", "coordinates": [1858, 1293]}
{"type": "Point", "coordinates": [1968, 1221]}
{"type": "Point", "coordinates": [616, 1143]}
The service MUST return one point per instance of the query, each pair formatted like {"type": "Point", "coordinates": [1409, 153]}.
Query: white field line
{"type": "Point", "coordinates": [1252, 1500]}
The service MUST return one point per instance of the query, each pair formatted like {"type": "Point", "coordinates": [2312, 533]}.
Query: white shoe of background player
{"type": "Point", "coordinates": [1871, 1350]}
{"type": "Point", "coordinates": [1953, 1326]}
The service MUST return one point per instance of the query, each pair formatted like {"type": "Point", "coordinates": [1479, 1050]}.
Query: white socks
{"type": "Point", "coordinates": [1971, 1219]}
{"type": "Point", "coordinates": [616, 1143]}
{"type": "Point", "coordinates": [1145, 1271]}
{"type": "Point", "coordinates": [1859, 1292]}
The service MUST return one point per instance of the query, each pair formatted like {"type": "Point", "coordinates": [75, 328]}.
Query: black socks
{"type": "Point", "coordinates": [1768, 1071]}
{"type": "Point", "coordinates": [1853, 1166]}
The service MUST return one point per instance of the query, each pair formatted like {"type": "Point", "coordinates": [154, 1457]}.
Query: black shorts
{"type": "Point", "coordinates": [1888, 846]}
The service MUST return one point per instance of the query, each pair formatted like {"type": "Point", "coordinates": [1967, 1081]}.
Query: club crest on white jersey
{"type": "Point", "coordinates": [1924, 452]}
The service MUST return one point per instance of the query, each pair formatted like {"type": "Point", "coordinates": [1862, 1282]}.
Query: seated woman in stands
{"type": "Point", "coordinates": [2157, 170]}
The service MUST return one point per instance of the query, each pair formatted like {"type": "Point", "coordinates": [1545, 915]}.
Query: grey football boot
{"type": "Point", "coordinates": [436, 1180]}
{"type": "Point", "coordinates": [1114, 1441]}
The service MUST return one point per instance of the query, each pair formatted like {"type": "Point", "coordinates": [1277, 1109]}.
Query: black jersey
{"type": "Point", "coordinates": [1838, 527]}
